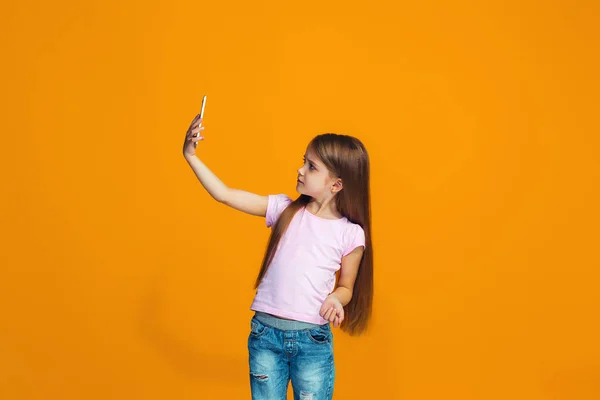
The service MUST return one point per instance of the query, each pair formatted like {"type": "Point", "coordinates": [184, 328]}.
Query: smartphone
{"type": "Point", "coordinates": [201, 115]}
{"type": "Point", "coordinates": [203, 104]}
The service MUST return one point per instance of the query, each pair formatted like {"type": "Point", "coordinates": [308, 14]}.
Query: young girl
{"type": "Point", "coordinates": [326, 230]}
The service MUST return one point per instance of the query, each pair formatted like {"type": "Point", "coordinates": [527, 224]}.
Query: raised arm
{"type": "Point", "coordinates": [241, 200]}
{"type": "Point", "coordinates": [247, 202]}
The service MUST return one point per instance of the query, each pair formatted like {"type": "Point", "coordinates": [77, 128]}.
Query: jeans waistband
{"type": "Point", "coordinates": [284, 324]}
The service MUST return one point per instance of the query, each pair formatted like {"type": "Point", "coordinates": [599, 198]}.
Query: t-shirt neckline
{"type": "Point", "coordinates": [321, 218]}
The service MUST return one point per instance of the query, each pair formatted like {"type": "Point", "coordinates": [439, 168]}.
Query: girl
{"type": "Point", "coordinates": [326, 230]}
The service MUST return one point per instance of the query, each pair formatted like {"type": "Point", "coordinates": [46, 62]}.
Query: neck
{"type": "Point", "coordinates": [324, 208]}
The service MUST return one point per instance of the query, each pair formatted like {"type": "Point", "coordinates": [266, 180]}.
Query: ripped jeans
{"type": "Point", "coordinates": [277, 355]}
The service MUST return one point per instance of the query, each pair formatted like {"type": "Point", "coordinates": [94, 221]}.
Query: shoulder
{"type": "Point", "coordinates": [352, 228]}
{"type": "Point", "coordinates": [354, 236]}
{"type": "Point", "coordinates": [278, 202]}
{"type": "Point", "coordinates": [275, 205]}
{"type": "Point", "coordinates": [280, 198]}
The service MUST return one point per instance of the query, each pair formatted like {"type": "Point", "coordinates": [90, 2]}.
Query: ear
{"type": "Point", "coordinates": [337, 185]}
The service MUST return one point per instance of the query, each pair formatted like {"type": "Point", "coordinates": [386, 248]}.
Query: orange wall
{"type": "Point", "coordinates": [123, 279]}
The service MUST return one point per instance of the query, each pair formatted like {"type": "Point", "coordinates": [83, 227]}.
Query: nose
{"type": "Point", "coordinates": [300, 171]}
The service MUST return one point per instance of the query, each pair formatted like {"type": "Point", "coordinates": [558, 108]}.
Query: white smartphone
{"type": "Point", "coordinates": [201, 116]}
{"type": "Point", "coordinates": [203, 104]}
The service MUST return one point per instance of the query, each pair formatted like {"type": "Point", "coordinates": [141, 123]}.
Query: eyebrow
{"type": "Point", "coordinates": [311, 161]}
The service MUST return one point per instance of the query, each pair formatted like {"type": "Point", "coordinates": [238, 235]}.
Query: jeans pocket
{"type": "Point", "coordinates": [257, 328]}
{"type": "Point", "coordinates": [319, 335]}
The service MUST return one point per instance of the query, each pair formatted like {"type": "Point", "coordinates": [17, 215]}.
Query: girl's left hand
{"type": "Point", "coordinates": [332, 310]}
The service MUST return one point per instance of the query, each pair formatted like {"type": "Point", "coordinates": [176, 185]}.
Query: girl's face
{"type": "Point", "coordinates": [313, 178]}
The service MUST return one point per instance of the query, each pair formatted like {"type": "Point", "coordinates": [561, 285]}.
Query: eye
{"type": "Point", "coordinates": [310, 166]}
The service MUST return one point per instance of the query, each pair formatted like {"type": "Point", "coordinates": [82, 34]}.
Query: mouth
{"type": "Point", "coordinates": [299, 181]}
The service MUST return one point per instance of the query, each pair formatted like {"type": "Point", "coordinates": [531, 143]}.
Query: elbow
{"type": "Point", "coordinates": [222, 196]}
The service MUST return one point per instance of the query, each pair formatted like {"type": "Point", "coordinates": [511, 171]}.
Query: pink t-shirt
{"type": "Point", "coordinates": [302, 272]}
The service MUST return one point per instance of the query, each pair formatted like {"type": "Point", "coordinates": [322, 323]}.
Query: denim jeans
{"type": "Point", "coordinates": [303, 355]}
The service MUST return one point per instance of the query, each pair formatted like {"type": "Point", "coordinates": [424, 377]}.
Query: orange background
{"type": "Point", "coordinates": [123, 279]}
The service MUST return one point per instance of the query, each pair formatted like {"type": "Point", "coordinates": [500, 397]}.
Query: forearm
{"type": "Point", "coordinates": [207, 178]}
{"type": "Point", "coordinates": [343, 294]}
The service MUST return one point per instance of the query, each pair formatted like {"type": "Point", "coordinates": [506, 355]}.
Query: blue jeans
{"type": "Point", "coordinates": [305, 356]}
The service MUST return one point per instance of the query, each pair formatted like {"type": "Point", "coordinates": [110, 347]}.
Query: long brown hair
{"type": "Point", "coordinates": [347, 158]}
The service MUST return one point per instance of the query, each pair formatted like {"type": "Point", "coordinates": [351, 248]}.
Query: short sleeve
{"type": "Point", "coordinates": [356, 238]}
{"type": "Point", "coordinates": [275, 206]}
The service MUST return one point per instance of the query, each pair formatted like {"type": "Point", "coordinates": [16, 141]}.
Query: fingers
{"type": "Point", "coordinates": [194, 132]}
{"type": "Point", "coordinates": [323, 310]}
{"type": "Point", "coordinates": [337, 320]}
{"type": "Point", "coordinates": [194, 137]}
{"type": "Point", "coordinates": [195, 128]}
{"type": "Point", "coordinates": [329, 313]}
{"type": "Point", "coordinates": [196, 119]}
{"type": "Point", "coordinates": [196, 122]}
{"type": "Point", "coordinates": [336, 317]}
{"type": "Point", "coordinates": [332, 313]}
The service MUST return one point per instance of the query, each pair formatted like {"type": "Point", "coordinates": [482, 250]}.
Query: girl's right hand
{"type": "Point", "coordinates": [192, 137]}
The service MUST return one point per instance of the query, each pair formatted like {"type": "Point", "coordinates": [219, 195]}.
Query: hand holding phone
{"type": "Point", "coordinates": [193, 134]}
{"type": "Point", "coordinates": [201, 116]}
